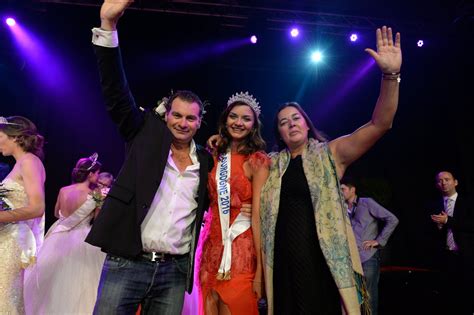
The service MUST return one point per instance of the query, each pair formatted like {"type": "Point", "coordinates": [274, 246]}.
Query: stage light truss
{"type": "Point", "coordinates": [246, 13]}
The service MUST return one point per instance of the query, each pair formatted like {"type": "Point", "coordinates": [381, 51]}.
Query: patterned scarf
{"type": "Point", "coordinates": [334, 230]}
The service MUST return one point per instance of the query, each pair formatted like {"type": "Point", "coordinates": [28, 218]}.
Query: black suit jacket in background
{"type": "Point", "coordinates": [461, 223]}
{"type": "Point", "coordinates": [117, 228]}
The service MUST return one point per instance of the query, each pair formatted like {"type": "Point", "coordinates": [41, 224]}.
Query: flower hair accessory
{"type": "Point", "coordinates": [247, 99]}
{"type": "Point", "coordinates": [4, 121]}
{"type": "Point", "coordinates": [93, 158]}
{"type": "Point", "coordinates": [161, 108]}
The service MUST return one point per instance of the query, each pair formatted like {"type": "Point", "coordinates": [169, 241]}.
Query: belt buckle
{"type": "Point", "coordinates": [155, 256]}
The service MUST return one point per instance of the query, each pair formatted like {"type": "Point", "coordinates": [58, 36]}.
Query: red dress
{"type": "Point", "coordinates": [237, 292]}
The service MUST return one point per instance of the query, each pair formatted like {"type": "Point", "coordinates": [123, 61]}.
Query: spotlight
{"type": "Point", "coordinates": [253, 39]}
{"type": "Point", "coordinates": [316, 56]}
{"type": "Point", "coordinates": [354, 37]}
{"type": "Point", "coordinates": [294, 32]}
{"type": "Point", "coordinates": [420, 43]}
{"type": "Point", "coordinates": [10, 21]}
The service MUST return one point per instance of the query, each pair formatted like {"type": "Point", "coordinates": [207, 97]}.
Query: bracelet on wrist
{"type": "Point", "coordinates": [394, 76]}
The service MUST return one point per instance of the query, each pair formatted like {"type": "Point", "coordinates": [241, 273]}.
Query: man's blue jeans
{"type": "Point", "coordinates": [158, 286]}
{"type": "Point", "coordinates": [372, 274]}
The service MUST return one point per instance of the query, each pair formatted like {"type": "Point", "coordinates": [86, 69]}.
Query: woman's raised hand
{"type": "Point", "coordinates": [389, 54]}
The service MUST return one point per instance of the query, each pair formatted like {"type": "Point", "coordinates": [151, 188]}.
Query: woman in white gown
{"type": "Point", "coordinates": [66, 275]}
{"type": "Point", "coordinates": [21, 208]}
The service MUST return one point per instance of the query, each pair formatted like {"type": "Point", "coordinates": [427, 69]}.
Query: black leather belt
{"type": "Point", "coordinates": [160, 257]}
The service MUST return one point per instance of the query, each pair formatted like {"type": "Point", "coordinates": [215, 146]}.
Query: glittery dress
{"type": "Point", "coordinates": [66, 276]}
{"type": "Point", "coordinates": [18, 244]}
{"type": "Point", "coordinates": [237, 292]}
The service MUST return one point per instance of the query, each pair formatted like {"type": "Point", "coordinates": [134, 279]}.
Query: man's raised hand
{"type": "Point", "coordinates": [110, 13]}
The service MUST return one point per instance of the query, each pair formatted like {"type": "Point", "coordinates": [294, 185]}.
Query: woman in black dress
{"type": "Point", "coordinates": [311, 262]}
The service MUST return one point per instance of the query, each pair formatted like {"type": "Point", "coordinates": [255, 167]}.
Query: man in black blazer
{"type": "Point", "coordinates": [150, 221]}
{"type": "Point", "coordinates": [454, 219]}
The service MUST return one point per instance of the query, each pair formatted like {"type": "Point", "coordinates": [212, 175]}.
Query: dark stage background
{"type": "Point", "coordinates": [433, 128]}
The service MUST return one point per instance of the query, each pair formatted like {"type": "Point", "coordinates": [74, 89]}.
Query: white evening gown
{"type": "Point", "coordinates": [66, 276]}
{"type": "Point", "coordinates": [19, 242]}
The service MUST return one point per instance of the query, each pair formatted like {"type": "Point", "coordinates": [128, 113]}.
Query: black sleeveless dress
{"type": "Point", "coordinates": [302, 282]}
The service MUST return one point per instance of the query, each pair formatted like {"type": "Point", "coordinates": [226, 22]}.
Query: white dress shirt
{"type": "Point", "coordinates": [168, 225]}
{"type": "Point", "coordinates": [104, 38]}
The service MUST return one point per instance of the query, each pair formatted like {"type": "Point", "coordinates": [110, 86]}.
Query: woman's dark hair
{"type": "Point", "coordinates": [312, 132]}
{"type": "Point", "coordinates": [251, 144]}
{"type": "Point", "coordinates": [84, 167]}
{"type": "Point", "coordinates": [25, 134]}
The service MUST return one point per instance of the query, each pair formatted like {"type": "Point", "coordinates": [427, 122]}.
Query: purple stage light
{"type": "Point", "coordinates": [45, 65]}
{"type": "Point", "coordinates": [354, 37]}
{"type": "Point", "coordinates": [420, 43]}
{"type": "Point", "coordinates": [294, 32]}
{"type": "Point", "coordinates": [253, 39]}
{"type": "Point", "coordinates": [10, 21]}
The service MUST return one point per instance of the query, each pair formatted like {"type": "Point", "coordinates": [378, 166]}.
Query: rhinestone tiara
{"type": "Point", "coordinates": [247, 99]}
{"type": "Point", "coordinates": [93, 158]}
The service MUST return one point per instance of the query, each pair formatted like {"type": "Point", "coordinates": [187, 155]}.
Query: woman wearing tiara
{"type": "Point", "coordinates": [21, 208]}
{"type": "Point", "coordinates": [66, 275]}
{"type": "Point", "coordinates": [231, 268]}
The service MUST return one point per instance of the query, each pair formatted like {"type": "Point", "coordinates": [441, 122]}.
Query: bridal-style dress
{"type": "Point", "coordinates": [66, 276]}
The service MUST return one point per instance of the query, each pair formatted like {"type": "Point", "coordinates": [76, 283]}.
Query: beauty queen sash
{"type": "Point", "coordinates": [241, 223]}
